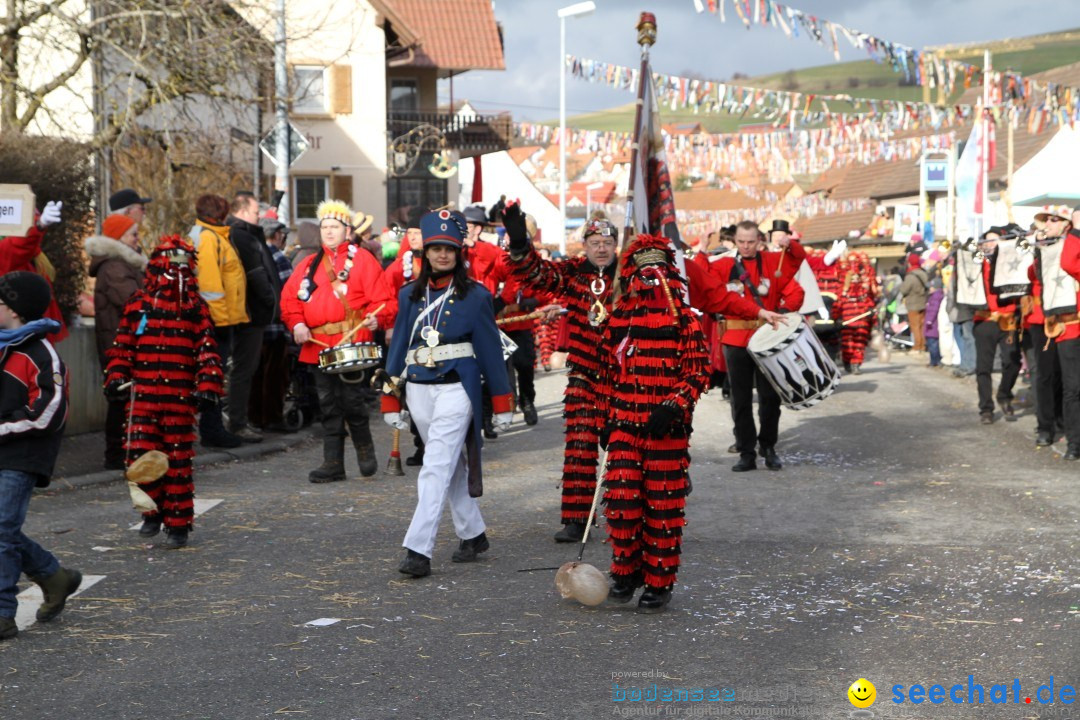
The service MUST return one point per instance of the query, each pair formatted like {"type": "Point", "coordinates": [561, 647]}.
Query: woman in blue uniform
{"type": "Point", "coordinates": [445, 343]}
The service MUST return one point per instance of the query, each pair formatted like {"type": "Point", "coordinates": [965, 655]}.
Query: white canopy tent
{"type": "Point", "coordinates": [1050, 177]}
{"type": "Point", "coordinates": [502, 176]}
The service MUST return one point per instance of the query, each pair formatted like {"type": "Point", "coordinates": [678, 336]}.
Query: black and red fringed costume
{"type": "Point", "coordinates": [656, 368]}
{"type": "Point", "coordinates": [855, 304]}
{"type": "Point", "coordinates": [165, 346]}
{"type": "Point", "coordinates": [585, 291]}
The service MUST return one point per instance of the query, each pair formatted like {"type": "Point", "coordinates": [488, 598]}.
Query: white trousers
{"type": "Point", "coordinates": [442, 414]}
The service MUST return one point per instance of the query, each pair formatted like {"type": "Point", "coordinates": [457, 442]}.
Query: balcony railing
{"type": "Point", "coordinates": [469, 135]}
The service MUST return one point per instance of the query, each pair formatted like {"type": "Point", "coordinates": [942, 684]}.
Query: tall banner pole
{"type": "Point", "coordinates": [646, 28]}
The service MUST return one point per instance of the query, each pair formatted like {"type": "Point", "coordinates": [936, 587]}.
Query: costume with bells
{"type": "Point", "coordinates": [445, 341]}
{"type": "Point", "coordinates": [658, 368]}
{"type": "Point", "coordinates": [331, 292]}
{"type": "Point", "coordinates": [165, 348]}
{"type": "Point", "coordinates": [857, 299]}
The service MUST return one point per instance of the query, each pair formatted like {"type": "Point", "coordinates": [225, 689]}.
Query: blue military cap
{"type": "Point", "coordinates": [443, 227]}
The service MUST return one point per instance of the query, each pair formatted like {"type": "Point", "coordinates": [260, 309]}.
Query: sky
{"type": "Point", "coordinates": [692, 43]}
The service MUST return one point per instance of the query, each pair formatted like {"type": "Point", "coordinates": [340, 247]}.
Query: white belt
{"type": "Point", "coordinates": [421, 355]}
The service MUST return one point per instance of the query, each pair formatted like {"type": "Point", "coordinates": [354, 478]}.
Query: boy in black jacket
{"type": "Point", "coordinates": [33, 410]}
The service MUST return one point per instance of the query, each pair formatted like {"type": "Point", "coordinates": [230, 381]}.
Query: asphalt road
{"type": "Point", "coordinates": [903, 542]}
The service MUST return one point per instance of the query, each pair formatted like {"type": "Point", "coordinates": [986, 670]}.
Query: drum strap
{"type": "Point", "coordinates": [739, 273]}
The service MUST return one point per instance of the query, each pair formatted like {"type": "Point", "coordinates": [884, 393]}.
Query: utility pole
{"type": "Point", "coordinates": [281, 94]}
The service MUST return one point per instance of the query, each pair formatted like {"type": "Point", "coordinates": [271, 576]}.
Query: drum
{"type": "Point", "coordinates": [350, 358]}
{"type": "Point", "coordinates": [795, 362]}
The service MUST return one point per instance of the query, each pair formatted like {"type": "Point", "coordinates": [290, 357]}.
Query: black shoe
{"type": "Point", "coordinates": [986, 418]}
{"type": "Point", "coordinates": [469, 549]}
{"type": "Point", "coordinates": [746, 463]}
{"type": "Point", "coordinates": [856, 369]}
{"type": "Point", "coordinates": [489, 430]}
{"type": "Point", "coordinates": [847, 367]}
{"type": "Point", "coordinates": [221, 439]}
{"type": "Point", "coordinates": [653, 600]}
{"type": "Point", "coordinates": [772, 462]}
{"type": "Point", "coordinates": [327, 472]}
{"type": "Point", "coordinates": [8, 628]}
{"type": "Point", "coordinates": [571, 532]}
{"type": "Point", "coordinates": [365, 457]}
{"type": "Point", "coordinates": [623, 587]}
{"type": "Point", "coordinates": [56, 589]}
{"type": "Point", "coordinates": [175, 538]}
{"type": "Point", "coordinates": [529, 411]}
{"type": "Point", "coordinates": [1007, 410]}
{"type": "Point", "coordinates": [1073, 453]}
{"type": "Point", "coordinates": [1043, 439]}
{"type": "Point", "coordinates": [416, 459]}
{"type": "Point", "coordinates": [113, 464]}
{"type": "Point", "coordinates": [415, 564]}
{"type": "Point", "coordinates": [151, 526]}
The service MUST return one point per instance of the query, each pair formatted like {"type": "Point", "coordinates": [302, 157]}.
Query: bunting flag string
{"type": "Point", "coordinates": [778, 154]}
{"type": "Point", "coordinates": [924, 67]}
{"type": "Point", "coordinates": [1018, 102]}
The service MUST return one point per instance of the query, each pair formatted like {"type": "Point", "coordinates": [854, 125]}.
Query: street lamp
{"type": "Point", "coordinates": [588, 197]}
{"type": "Point", "coordinates": [575, 10]}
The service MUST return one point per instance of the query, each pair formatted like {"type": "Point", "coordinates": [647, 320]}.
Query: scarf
{"type": "Point", "coordinates": [42, 327]}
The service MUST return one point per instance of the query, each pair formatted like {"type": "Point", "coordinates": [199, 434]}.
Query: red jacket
{"type": "Point", "coordinates": [784, 293]}
{"type": "Point", "coordinates": [1070, 263]}
{"type": "Point", "coordinates": [480, 259]}
{"type": "Point", "coordinates": [367, 290]}
{"type": "Point", "coordinates": [395, 271]}
{"type": "Point", "coordinates": [18, 253]}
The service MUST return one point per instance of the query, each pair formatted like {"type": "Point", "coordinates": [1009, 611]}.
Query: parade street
{"type": "Point", "coordinates": [902, 542]}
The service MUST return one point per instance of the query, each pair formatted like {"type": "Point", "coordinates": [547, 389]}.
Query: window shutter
{"type": "Point", "coordinates": [341, 188]}
{"type": "Point", "coordinates": [340, 89]}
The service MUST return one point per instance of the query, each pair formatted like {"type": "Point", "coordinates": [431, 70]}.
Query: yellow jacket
{"type": "Point", "coordinates": [222, 282]}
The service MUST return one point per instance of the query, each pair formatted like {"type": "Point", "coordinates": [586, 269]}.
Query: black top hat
{"type": "Point", "coordinates": [780, 226]}
{"type": "Point", "coordinates": [476, 215]}
{"type": "Point", "coordinates": [124, 198]}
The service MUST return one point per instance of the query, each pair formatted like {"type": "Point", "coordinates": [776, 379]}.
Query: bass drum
{"type": "Point", "coordinates": [795, 363]}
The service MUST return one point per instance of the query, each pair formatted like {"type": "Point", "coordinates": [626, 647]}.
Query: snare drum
{"type": "Point", "coordinates": [350, 358]}
{"type": "Point", "coordinates": [795, 362]}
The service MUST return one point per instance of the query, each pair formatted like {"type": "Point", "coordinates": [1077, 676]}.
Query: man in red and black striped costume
{"type": "Point", "coordinates": [855, 306]}
{"type": "Point", "coordinates": [583, 286]}
{"type": "Point", "coordinates": [165, 347]}
{"type": "Point", "coordinates": [658, 368]}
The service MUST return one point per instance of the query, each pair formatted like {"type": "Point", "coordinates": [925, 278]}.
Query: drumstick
{"type": "Point", "coordinates": [345, 338]}
{"type": "Point", "coordinates": [318, 342]}
{"type": "Point", "coordinates": [857, 317]}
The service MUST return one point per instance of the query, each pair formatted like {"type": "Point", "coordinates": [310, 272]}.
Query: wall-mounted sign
{"type": "Point", "coordinates": [935, 175]}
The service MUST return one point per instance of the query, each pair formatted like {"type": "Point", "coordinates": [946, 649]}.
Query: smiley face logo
{"type": "Point", "coordinates": [862, 693]}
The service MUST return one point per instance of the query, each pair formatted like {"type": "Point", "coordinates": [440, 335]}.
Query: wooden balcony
{"type": "Point", "coordinates": [470, 135]}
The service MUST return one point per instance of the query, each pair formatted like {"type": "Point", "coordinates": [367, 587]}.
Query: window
{"type": "Point", "coordinates": [310, 90]}
{"type": "Point", "coordinates": [308, 192]}
{"type": "Point", "coordinates": [404, 95]}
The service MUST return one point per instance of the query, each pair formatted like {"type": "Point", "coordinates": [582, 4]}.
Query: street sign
{"type": "Point", "coordinates": [298, 144]}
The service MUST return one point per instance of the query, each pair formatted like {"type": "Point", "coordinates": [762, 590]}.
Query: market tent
{"type": "Point", "coordinates": [1050, 177]}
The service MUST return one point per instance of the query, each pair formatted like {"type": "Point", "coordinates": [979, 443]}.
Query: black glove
{"type": "Point", "coordinates": [660, 420]}
{"type": "Point", "coordinates": [205, 401]}
{"type": "Point", "coordinates": [527, 305]}
{"type": "Point", "coordinates": [113, 393]}
{"type": "Point", "coordinates": [514, 222]}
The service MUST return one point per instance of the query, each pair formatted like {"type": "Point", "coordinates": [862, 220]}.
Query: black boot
{"type": "Point", "coordinates": [772, 462]}
{"type": "Point", "coordinates": [745, 464]}
{"type": "Point", "coordinates": [571, 532]}
{"type": "Point", "coordinates": [151, 525]}
{"type": "Point", "coordinates": [1007, 410]}
{"type": "Point", "coordinates": [528, 409]}
{"type": "Point", "coordinates": [489, 430]}
{"type": "Point", "coordinates": [1044, 438]}
{"type": "Point", "coordinates": [986, 418]}
{"type": "Point", "coordinates": [847, 367]}
{"type": "Point", "coordinates": [469, 549]}
{"type": "Point", "coordinates": [623, 587]}
{"type": "Point", "coordinates": [416, 459]}
{"type": "Point", "coordinates": [8, 628]}
{"type": "Point", "coordinates": [365, 457]}
{"type": "Point", "coordinates": [415, 564]}
{"type": "Point", "coordinates": [175, 538]}
{"type": "Point", "coordinates": [654, 600]}
{"type": "Point", "coordinates": [1072, 453]}
{"type": "Point", "coordinates": [56, 588]}
{"type": "Point", "coordinates": [333, 467]}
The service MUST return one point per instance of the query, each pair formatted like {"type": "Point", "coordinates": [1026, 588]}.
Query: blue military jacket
{"type": "Point", "coordinates": [460, 319]}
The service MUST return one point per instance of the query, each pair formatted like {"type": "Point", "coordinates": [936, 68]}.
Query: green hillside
{"type": "Point", "coordinates": [863, 78]}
